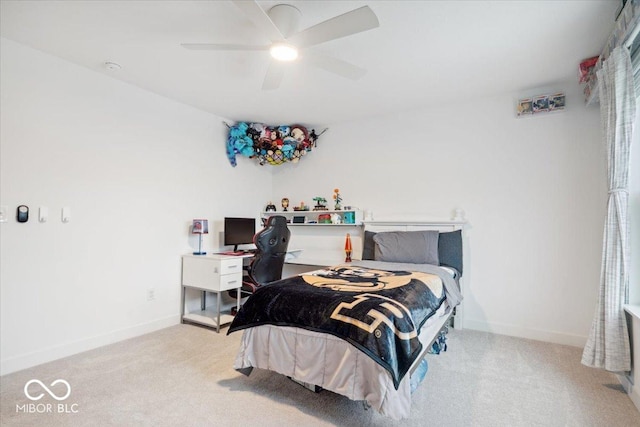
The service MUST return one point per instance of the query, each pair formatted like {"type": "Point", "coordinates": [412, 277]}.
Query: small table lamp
{"type": "Point", "coordinates": [200, 227]}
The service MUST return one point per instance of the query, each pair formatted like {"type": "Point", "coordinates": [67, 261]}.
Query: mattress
{"type": "Point", "coordinates": [332, 363]}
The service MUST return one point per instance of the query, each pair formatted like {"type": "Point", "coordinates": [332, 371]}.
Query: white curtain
{"type": "Point", "coordinates": [608, 343]}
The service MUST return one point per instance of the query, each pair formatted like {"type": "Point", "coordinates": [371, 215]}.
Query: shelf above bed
{"type": "Point", "coordinates": [411, 225]}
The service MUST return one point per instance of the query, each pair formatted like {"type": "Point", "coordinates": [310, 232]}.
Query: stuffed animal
{"type": "Point", "coordinates": [270, 144]}
{"type": "Point", "coordinates": [239, 142]}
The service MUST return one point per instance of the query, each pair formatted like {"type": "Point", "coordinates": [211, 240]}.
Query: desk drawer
{"type": "Point", "coordinates": [230, 281]}
{"type": "Point", "coordinates": [213, 282]}
{"type": "Point", "coordinates": [212, 274]}
{"type": "Point", "coordinates": [228, 266]}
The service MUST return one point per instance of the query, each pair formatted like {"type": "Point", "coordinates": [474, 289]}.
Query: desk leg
{"type": "Point", "coordinates": [203, 300]}
{"type": "Point", "coordinates": [182, 297]}
{"type": "Point", "coordinates": [218, 304]}
{"type": "Point", "coordinates": [238, 299]}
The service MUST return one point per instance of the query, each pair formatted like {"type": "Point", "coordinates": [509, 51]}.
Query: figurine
{"type": "Point", "coordinates": [337, 198]}
{"type": "Point", "coordinates": [324, 219]}
{"type": "Point", "coordinates": [285, 204]}
{"type": "Point", "coordinates": [336, 218]}
{"type": "Point", "coordinates": [302, 207]}
{"type": "Point", "coordinates": [321, 204]}
{"type": "Point", "coordinates": [270, 207]}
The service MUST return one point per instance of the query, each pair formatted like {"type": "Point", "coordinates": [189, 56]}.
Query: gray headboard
{"type": "Point", "coordinates": [449, 239]}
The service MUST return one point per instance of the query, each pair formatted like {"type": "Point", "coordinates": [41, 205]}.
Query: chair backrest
{"type": "Point", "coordinates": [272, 243]}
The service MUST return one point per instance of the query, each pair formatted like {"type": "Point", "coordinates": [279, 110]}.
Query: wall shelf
{"type": "Point", "coordinates": [313, 216]}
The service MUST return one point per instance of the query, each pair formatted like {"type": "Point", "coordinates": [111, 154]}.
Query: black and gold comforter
{"type": "Point", "coordinates": [378, 311]}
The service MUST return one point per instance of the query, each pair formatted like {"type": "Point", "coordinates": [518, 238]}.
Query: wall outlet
{"type": "Point", "coordinates": [151, 294]}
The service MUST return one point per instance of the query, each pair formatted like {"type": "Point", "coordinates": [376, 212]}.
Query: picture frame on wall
{"type": "Point", "coordinates": [556, 101]}
{"type": "Point", "coordinates": [525, 106]}
{"type": "Point", "coordinates": [540, 104]}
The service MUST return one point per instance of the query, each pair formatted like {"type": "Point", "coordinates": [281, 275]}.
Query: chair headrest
{"type": "Point", "coordinates": [274, 237]}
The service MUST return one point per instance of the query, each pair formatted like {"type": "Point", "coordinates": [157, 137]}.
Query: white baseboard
{"type": "Point", "coordinates": [520, 332]}
{"type": "Point", "coordinates": [50, 354]}
{"type": "Point", "coordinates": [635, 396]}
{"type": "Point", "coordinates": [625, 382]}
{"type": "Point", "coordinates": [633, 392]}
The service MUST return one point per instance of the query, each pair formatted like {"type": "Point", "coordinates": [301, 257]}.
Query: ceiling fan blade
{"type": "Point", "coordinates": [221, 46]}
{"type": "Point", "coordinates": [336, 66]}
{"type": "Point", "coordinates": [260, 19]}
{"type": "Point", "coordinates": [356, 21]}
{"type": "Point", "coordinates": [273, 78]}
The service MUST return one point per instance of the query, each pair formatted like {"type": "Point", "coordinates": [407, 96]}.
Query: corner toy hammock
{"type": "Point", "coordinates": [269, 144]}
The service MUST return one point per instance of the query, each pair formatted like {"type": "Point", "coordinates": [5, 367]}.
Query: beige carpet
{"type": "Point", "coordinates": [183, 376]}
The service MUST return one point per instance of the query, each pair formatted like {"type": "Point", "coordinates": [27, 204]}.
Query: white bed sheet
{"type": "Point", "coordinates": [332, 363]}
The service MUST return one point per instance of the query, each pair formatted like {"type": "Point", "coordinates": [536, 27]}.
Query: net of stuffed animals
{"type": "Point", "coordinates": [274, 145]}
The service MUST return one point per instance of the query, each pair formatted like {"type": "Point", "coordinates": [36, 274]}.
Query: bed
{"type": "Point", "coordinates": [360, 329]}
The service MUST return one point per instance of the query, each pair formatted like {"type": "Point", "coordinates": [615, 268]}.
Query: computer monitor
{"type": "Point", "coordinates": [239, 231]}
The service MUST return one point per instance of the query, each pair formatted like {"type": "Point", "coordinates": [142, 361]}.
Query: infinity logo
{"type": "Point", "coordinates": [52, 394]}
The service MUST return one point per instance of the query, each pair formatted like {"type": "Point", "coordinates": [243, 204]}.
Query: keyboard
{"type": "Point", "coordinates": [238, 253]}
{"type": "Point", "coordinates": [232, 253]}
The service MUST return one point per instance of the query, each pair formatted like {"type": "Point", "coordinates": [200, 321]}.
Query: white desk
{"type": "Point", "coordinates": [211, 273]}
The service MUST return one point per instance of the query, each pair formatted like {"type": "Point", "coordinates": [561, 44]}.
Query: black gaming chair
{"type": "Point", "coordinates": [266, 266]}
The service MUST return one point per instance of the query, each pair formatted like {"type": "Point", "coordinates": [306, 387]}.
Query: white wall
{"type": "Point", "coordinates": [533, 189]}
{"type": "Point", "coordinates": [134, 168]}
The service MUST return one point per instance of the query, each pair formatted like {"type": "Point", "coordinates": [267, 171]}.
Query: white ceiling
{"type": "Point", "coordinates": [424, 53]}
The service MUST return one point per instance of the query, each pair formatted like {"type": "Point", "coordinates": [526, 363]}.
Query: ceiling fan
{"type": "Point", "coordinates": [280, 25]}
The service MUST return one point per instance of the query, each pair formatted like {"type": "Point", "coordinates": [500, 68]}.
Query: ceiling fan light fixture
{"type": "Point", "coordinates": [283, 52]}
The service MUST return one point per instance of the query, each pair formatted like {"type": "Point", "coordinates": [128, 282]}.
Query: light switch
{"type": "Point", "coordinates": [43, 214]}
{"type": "Point", "coordinates": [3, 214]}
{"type": "Point", "coordinates": [66, 214]}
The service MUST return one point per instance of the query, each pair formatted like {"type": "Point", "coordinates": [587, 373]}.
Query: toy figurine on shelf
{"type": "Point", "coordinates": [324, 219]}
{"type": "Point", "coordinates": [302, 207]}
{"type": "Point", "coordinates": [285, 204]}
{"type": "Point", "coordinates": [321, 204]}
{"type": "Point", "coordinates": [270, 207]}
{"type": "Point", "coordinates": [337, 198]}
{"type": "Point", "coordinates": [347, 248]}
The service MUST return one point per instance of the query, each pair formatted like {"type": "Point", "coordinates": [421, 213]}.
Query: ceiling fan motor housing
{"type": "Point", "coordinates": [286, 18]}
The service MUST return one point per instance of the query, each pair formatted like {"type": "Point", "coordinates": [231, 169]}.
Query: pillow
{"type": "Point", "coordinates": [368, 246]}
{"type": "Point", "coordinates": [450, 249]}
{"type": "Point", "coordinates": [416, 247]}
